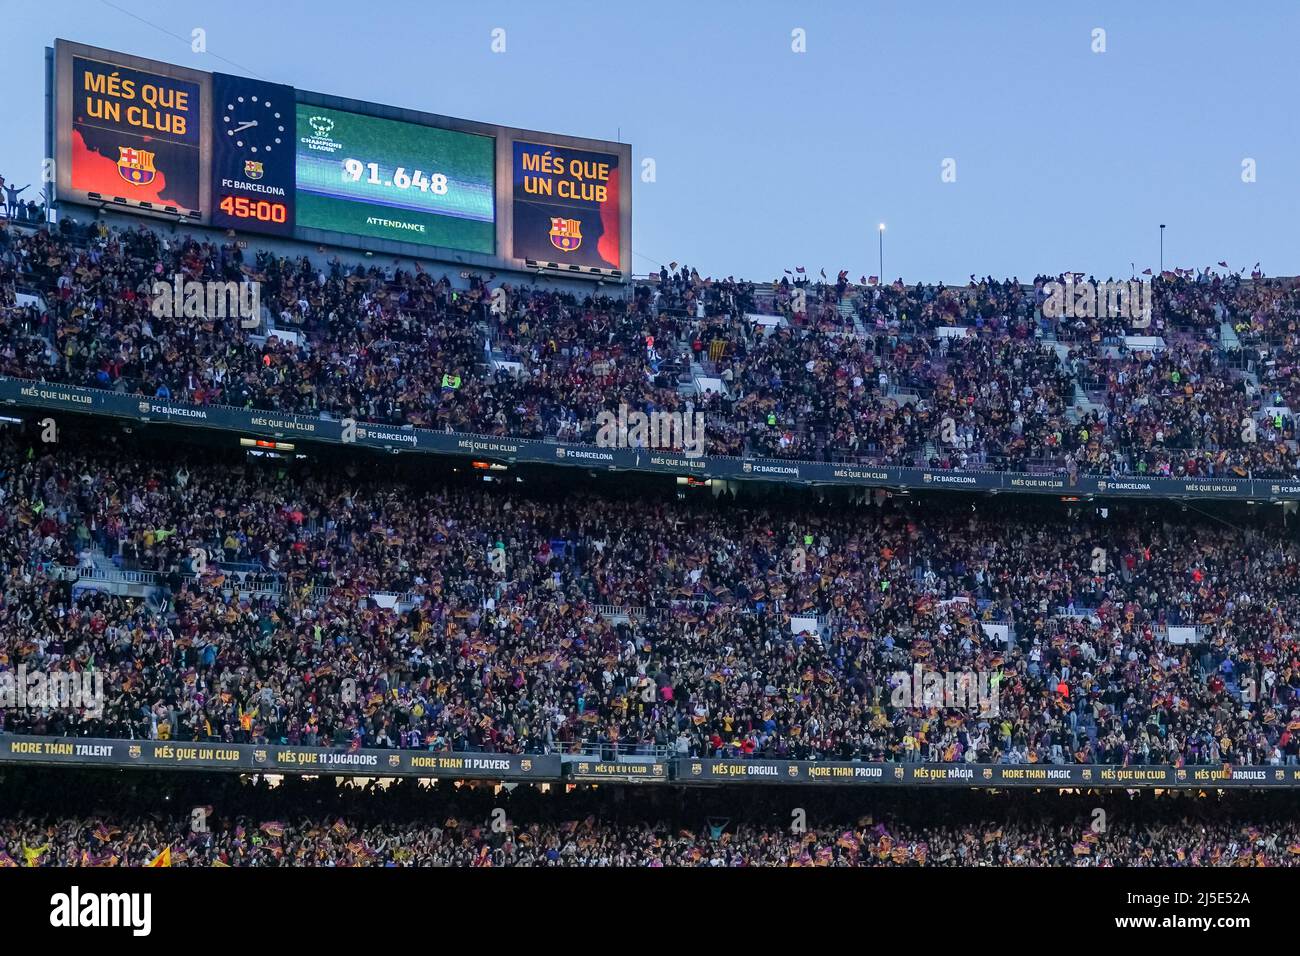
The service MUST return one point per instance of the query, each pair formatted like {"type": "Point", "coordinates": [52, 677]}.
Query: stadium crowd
{"type": "Point", "coordinates": [509, 636]}
{"type": "Point", "coordinates": [870, 372]}
{"type": "Point", "coordinates": [205, 821]}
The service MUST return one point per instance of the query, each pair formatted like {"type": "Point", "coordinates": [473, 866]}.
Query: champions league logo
{"type": "Point", "coordinates": [319, 140]}
{"type": "Point", "coordinates": [135, 165]}
{"type": "Point", "coordinates": [566, 234]}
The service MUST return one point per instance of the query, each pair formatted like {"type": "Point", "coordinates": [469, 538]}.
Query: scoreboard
{"type": "Point", "coordinates": [368, 176]}
{"type": "Point", "coordinates": [252, 155]}
{"type": "Point", "coordinates": [133, 130]}
{"type": "Point", "coordinates": [566, 202]}
{"type": "Point", "coordinates": [249, 155]}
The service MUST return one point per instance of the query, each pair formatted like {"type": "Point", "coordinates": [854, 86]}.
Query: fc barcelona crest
{"type": "Point", "coordinates": [253, 168]}
{"type": "Point", "coordinates": [566, 234]}
{"type": "Point", "coordinates": [135, 165]}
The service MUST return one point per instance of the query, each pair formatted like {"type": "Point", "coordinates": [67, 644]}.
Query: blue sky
{"type": "Point", "coordinates": [766, 158]}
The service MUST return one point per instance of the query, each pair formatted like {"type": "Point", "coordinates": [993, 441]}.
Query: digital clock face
{"type": "Point", "coordinates": [254, 124]}
{"type": "Point", "coordinates": [252, 155]}
{"type": "Point", "coordinates": [262, 210]}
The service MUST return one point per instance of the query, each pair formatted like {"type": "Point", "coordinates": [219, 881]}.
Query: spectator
{"type": "Point", "coordinates": [13, 206]}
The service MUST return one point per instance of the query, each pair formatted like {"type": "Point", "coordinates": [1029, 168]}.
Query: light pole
{"type": "Point", "coordinates": [882, 253]}
{"type": "Point", "coordinates": [1162, 247]}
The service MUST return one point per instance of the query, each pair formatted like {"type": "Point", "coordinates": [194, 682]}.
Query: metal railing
{"type": "Point", "coordinates": [273, 584]}
{"type": "Point", "coordinates": [620, 752]}
{"type": "Point", "coordinates": [614, 610]}
{"type": "Point", "coordinates": [116, 576]}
